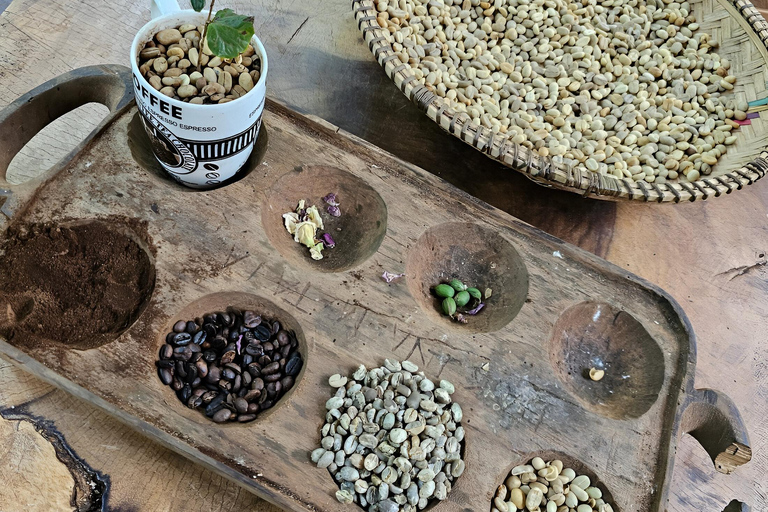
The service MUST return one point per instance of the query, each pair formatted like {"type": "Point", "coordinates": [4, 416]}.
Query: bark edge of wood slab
{"type": "Point", "coordinates": [511, 369]}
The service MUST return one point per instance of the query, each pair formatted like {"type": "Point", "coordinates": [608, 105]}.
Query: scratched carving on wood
{"type": "Point", "coordinates": [516, 400]}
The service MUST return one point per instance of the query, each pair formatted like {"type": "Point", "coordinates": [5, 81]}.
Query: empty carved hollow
{"type": "Point", "coordinates": [80, 283]}
{"type": "Point", "coordinates": [183, 373]}
{"type": "Point", "coordinates": [358, 232]}
{"type": "Point", "coordinates": [479, 257]}
{"type": "Point", "coordinates": [568, 462]}
{"type": "Point", "coordinates": [596, 335]}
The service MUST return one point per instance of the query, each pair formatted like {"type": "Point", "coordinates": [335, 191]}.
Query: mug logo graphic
{"type": "Point", "coordinates": [169, 149]}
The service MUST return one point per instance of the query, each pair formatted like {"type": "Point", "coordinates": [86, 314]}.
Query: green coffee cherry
{"type": "Point", "coordinates": [444, 291]}
{"type": "Point", "coordinates": [458, 285]}
{"type": "Point", "coordinates": [475, 293]}
{"type": "Point", "coordinates": [461, 299]}
{"type": "Point", "coordinates": [449, 306]}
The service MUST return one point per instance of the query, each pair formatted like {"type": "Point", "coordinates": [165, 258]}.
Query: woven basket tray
{"type": "Point", "coordinates": [743, 36]}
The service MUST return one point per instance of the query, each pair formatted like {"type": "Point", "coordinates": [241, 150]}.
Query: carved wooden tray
{"type": "Point", "coordinates": [515, 366]}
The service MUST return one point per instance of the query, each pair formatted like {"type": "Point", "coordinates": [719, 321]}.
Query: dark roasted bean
{"type": "Point", "coordinates": [191, 327]}
{"type": "Point", "coordinates": [247, 359]}
{"type": "Point", "coordinates": [177, 384]}
{"type": "Point", "coordinates": [252, 395]}
{"type": "Point", "coordinates": [208, 396]}
{"type": "Point", "coordinates": [182, 339]}
{"type": "Point", "coordinates": [194, 348]}
{"type": "Point", "coordinates": [270, 368]}
{"type": "Point", "coordinates": [222, 415]}
{"type": "Point", "coordinates": [254, 349]}
{"type": "Point", "coordinates": [233, 336]}
{"type": "Point", "coordinates": [272, 377]}
{"type": "Point", "coordinates": [257, 384]}
{"type": "Point", "coordinates": [264, 360]}
{"type": "Point", "coordinates": [198, 392]}
{"type": "Point", "coordinates": [215, 404]}
{"type": "Point", "coordinates": [225, 385]}
{"type": "Point", "coordinates": [242, 418]}
{"type": "Point", "coordinates": [285, 351]}
{"type": "Point", "coordinates": [179, 326]}
{"type": "Point", "coordinates": [275, 327]}
{"type": "Point", "coordinates": [181, 369]}
{"type": "Point", "coordinates": [166, 363]}
{"type": "Point", "coordinates": [228, 357]}
{"type": "Point", "coordinates": [246, 379]}
{"type": "Point", "coordinates": [191, 372]}
{"type": "Point", "coordinates": [228, 374]}
{"type": "Point", "coordinates": [234, 367]}
{"type": "Point", "coordinates": [267, 404]}
{"type": "Point", "coordinates": [165, 375]}
{"type": "Point", "coordinates": [214, 374]}
{"type": "Point", "coordinates": [271, 389]}
{"type": "Point", "coordinates": [202, 368]}
{"type": "Point", "coordinates": [236, 384]}
{"type": "Point", "coordinates": [209, 356]}
{"type": "Point", "coordinates": [251, 320]}
{"type": "Point", "coordinates": [185, 393]}
{"type": "Point", "coordinates": [283, 338]}
{"type": "Point", "coordinates": [196, 382]}
{"type": "Point", "coordinates": [199, 338]}
{"type": "Point", "coordinates": [268, 346]}
{"type": "Point", "coordinates": [286, 382]}
{"type": "Point", "coordinates": [293, 366]}
{"type": "Point", "coordinates": [194, 402]}
{"type": "Point", "coordinates": [169, 337]}
{"type": "Point", "coordinates": [262, 333]}
{"type": "Point", "coordinates": [241, 405]}
{"type": "Point", "coordinates": [253, 408]}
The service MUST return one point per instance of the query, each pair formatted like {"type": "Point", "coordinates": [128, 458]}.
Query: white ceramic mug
{"type": "Point", "coordinates": [200, 146]}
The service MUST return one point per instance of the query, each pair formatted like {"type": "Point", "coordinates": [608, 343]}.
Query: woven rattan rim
{"type": "Point", "coordinates": [542, 169]}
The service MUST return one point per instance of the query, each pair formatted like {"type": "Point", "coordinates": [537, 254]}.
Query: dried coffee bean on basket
{"type": "Point", "coordinates": [231, 365]}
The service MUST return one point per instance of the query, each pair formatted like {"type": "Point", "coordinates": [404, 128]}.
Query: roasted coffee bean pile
{"type": "Point", "coordinates": [232, 364]}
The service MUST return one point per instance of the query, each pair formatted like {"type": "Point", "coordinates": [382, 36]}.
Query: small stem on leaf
{"type": "Point", "coordinates": [205, 29]}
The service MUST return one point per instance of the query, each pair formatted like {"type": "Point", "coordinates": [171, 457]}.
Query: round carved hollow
{"type": "Point", "coordinates": [81, 283]}
{"type": "Point", "coordinates": [231, 301]}
{"type": "Point", "coordinates": [358, 232]}
{"type": "Point", "coordinates": [479, 257]}
{"type": "Point", "coordinates": [568, 462]}
{"type": "Point", "coordinates": [596, 335]}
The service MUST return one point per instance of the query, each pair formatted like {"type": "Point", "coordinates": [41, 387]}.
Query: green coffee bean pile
{"type": "Point", "coordinates": [459, 300]}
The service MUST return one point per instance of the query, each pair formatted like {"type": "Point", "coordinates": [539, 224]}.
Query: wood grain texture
{"type": "Point", "coordinates": [708, 256]}
{"type": "Point", "coordinates": [516, 402]}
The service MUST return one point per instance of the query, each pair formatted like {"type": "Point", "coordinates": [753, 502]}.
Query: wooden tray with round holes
{"type": "Point", "coordinates": [555, 309]}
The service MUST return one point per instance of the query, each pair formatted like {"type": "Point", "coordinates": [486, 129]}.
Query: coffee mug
{"type": "Point", "coordinates": [200, 146]}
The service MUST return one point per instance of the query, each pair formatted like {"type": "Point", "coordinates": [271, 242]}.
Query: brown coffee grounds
{"type": "Point", "coordinates": [80, 284]}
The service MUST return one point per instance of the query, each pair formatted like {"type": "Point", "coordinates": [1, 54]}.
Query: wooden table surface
{"type": "Point", "coordinates": [709, 255]}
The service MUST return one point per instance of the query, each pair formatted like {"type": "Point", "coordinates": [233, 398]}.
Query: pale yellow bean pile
{"type": "Point", "coordinates": [628, 88]}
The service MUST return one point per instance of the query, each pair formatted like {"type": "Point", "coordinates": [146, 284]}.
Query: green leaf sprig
{"type": "Point", "coordinates": [228, 34]}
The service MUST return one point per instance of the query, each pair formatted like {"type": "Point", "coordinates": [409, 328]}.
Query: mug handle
{"type": "Point", "coordinates": [163, 7]}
